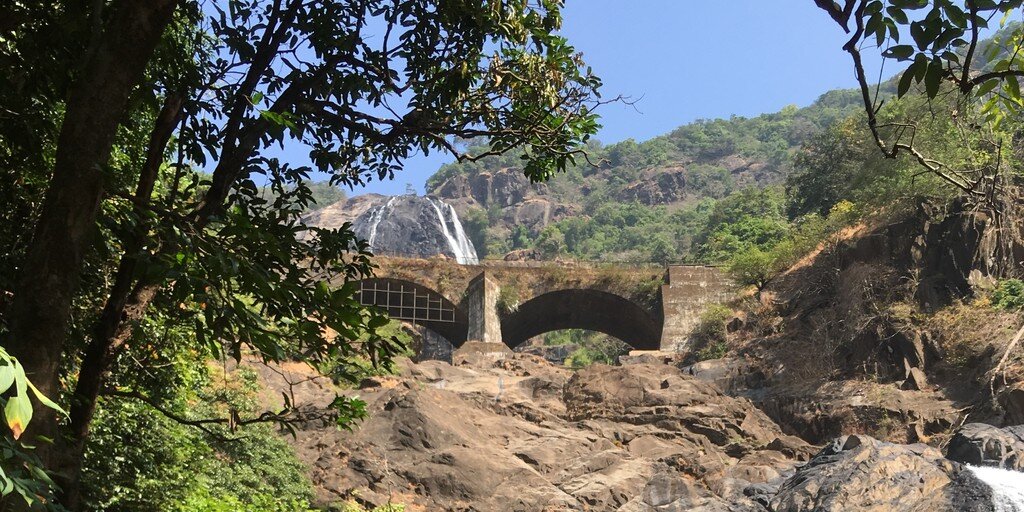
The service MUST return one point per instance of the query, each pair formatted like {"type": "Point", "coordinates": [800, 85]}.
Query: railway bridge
{"type": "Point", "coordinates": [648, 307]}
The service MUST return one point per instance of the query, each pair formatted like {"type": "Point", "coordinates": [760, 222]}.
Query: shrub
{"type": "Point", "coordinates": [711, 327]}
{"type": "Point", "coordinates": [593, 348]}
{"type": "Point", "coordinates": [1009, 295]}
{"type": "Point", "coordinates": [714, 350]}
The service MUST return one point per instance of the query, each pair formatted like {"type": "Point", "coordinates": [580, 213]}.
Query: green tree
{"type": "Point", "coordinates": [165, 88]}
{"type": "Point", "coordinates": [755, 267]}
{"type": "Point", "coordinates": [944, 48]}
{"type": "Point", "coordinates": [475, 222]}
{"type": "Point", "coordinates": [824, 169]}
{"type": "Point", "coordinates": [551, 242]}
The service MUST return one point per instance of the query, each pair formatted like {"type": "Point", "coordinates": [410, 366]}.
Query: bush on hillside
{"type": "Point", "coordinates": [1009, 295]}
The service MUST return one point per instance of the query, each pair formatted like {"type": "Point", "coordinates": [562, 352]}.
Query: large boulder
{"type": "Point", "coordinates": [675, 403]}
{"type": "Point", "coordinates": [979, 444]}
{"type": "Point", "coordinates": [864, 474]}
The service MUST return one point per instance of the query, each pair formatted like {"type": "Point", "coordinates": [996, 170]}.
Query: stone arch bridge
{"type": "Point", "coordinates": [647, 307]}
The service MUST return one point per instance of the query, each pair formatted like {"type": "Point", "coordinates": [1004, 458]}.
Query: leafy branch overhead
{"type": "Point", "coordinates": [940, 41]}
{"type": "Point", "coordinates": [147, 134]}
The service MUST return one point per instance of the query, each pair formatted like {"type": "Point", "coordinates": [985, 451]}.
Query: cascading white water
{"type": "Point", "coordinates": [1007, 487]}
{"type": "Point", "coordinates": [460, 245]}
{"type": "Point", "coordinates": [465, 246]}
{"type": "Point", "coordinates": [375, 219]}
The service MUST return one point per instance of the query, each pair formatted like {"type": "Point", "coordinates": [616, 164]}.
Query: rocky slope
{"type": "Point", "coordinates": [886, 330]}
{"type": "Point", "coordinates": [407, 225]}
{"type": "Point", "coordinates": [510, 432]}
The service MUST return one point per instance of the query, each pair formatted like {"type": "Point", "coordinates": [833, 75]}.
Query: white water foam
{"type": "Point", "coordinates": [465, 245]}
{"type": "Point", "coordinates": [462, 248]}
{"type": "Point", "coordinates": [375, 218]}
{"type": "Point", "coordinates": [1007, 487]}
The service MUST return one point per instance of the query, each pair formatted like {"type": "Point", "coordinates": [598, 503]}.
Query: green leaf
{"type": "Point", "coordinates": [6, 377]}
{"type": "Point", "coordinates": [44, 400]}
{"type": "Point", "coordinates": [933, 78]}
{"type": "Point", "coordinates": [8, 484]}
{"type": "Point", "coordinates": [872, 26]}
{"type": "Point", "coordinates": [901, 51]}
{"type": "Point", "coordinates": [986, 87]}
{"type": "Point", "coordinates": [905, 81]}
{"type": "Point", "coordinates": [18, 414]}
{"type": "Point", "coordinates": [955, 15]}
{"type": "Point", "coordinates": [898, 15]}
{"type": "Point", "coordinates": [917, 31]}
{"type": "Point", "coordinates": [1013, 88]}
{"type": "Point", "coordinates": [909, 4]}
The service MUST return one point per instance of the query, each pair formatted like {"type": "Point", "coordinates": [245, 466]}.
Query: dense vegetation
{"type": "Point", "coordinates": [797, 175]}
{"type": "Point", "coordinates": [150, 224]}
{"type": "Point", "coordinates": [701, 221]}
{"type": "Point", "coordinates": [139, 245]}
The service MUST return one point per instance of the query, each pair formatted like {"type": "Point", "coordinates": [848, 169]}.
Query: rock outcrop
{"type": "Point", "coordinates": [864, 474]}
{"type": "Point", "coordinates": [503, 431]}
{"type": "Point", "coordinates": [406, 225]}
{"type": "Point", "coordinates": [979, 444]}
{"type": "Point", "coordinates": [517, 433]}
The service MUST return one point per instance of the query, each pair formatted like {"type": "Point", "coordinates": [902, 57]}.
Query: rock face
{"type": "Point", "coordinates": [518, 434]}
{"type": "Point", "coordinates": [864, 474]}
{"type": "Point", "coordinates": [406, 225]}
{"type": "Point", "coordinates": [658, 186]}
{"type": "Point", "coordinates": [504, 431]}
{"type": "Point", "coordinates": [979, 444]}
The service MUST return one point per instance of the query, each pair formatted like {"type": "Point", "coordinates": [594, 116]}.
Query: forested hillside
{"type": "Point", "coordinates": [703, 192]}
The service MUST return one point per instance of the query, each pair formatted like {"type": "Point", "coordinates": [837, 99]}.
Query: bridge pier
{"type": "Point", "coordinates": [688, 291]}
{"type": "Point", "coordinates": [481, 305]}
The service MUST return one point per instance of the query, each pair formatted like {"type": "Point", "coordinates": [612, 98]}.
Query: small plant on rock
{"type": "Point", "coordinates": [710, 333]}
{"type": "Point", "coordinates": [1009, 295]}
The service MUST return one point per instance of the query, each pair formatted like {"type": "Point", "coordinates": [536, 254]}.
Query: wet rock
{"type": "Point", "coordinates": [979, 444]}
{"type": "Point", "coordinates": [864, 474]}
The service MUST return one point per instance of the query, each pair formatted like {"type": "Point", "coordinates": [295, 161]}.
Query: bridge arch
{"type": "Point", "coordinates": [413, 302]}
{"type": "Point", "coordinates": [593, 310]}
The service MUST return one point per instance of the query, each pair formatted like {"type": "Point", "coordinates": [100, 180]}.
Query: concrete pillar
{"type": "Point", "coordinates": [482, 309]}
{"type": "Point", "coordinates": [689, 291]}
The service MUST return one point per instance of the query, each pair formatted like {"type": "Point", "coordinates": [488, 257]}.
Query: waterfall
{"type": "Point", "coordinates": [465, 245]}
{"type": "Point", "coordinates": [460, 245]}
{"type": "Point", "coordinates": [1007, 487]}
{"type": "Point", "coordinates": [375, 219]}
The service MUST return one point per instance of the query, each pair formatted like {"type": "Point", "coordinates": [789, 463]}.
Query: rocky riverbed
{"type": "Point", "coordinates": [512, 432]}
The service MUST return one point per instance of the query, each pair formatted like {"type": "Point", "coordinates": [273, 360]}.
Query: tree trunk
{"type": "Point", "coordinates": [126, 304]}
{"type": "Point", "coordinates": [47, 284]}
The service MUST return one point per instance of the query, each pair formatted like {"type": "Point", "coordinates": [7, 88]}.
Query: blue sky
{"type": "Point", "coordinates": [690, 59]}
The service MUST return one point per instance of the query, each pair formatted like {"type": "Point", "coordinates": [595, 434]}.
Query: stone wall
{"type": "Point", "coordinates": [689, 290]}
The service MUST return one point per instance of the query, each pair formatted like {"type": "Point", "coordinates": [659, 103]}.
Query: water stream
{"type": "Point", "coordinates": [1007, 487]}
{"type": "Point", "coordinates": [459, 243]}
{"type": "Point", "coordinates": [375, 219]}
